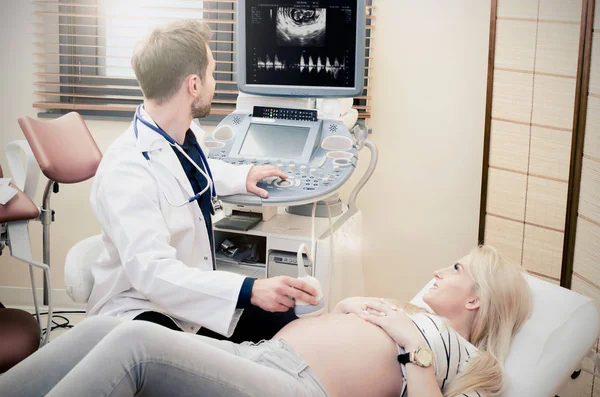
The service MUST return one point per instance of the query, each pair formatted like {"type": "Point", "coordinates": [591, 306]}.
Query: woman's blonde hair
{"type": "Point", "coordinates": [163, 59]}
{"type": "Point", "coordinates": [505, 305]}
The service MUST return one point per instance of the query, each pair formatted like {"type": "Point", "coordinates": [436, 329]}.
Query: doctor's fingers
{"type": "Point", "coordinates": [275, 307]}
{"type": "Point", "coordinates": [285, 301]}
{"type": "Point", "coordinates": [258, 191]}
{"type": "Point", "coordinates": [300, 295]}
{"type": "Point", "coordinates": [267, 171]}
{"type": "Point", "coordinates": [302, 286]}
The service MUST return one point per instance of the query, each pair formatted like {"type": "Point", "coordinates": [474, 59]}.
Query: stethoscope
{"type": "Point", "coordinates": [207, 175]}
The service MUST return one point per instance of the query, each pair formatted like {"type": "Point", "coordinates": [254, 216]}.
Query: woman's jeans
{"type": "Point", "coordinates": [104, 356]}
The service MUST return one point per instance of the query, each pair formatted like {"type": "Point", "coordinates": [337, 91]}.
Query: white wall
{"type": "Point", "coordinates": [421, 207]}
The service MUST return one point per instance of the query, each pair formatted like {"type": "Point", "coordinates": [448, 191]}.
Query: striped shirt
{"type": "Point", "coordinates": [450, 350]}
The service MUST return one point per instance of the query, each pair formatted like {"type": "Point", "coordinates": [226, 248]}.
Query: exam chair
{"type": "Point", "coordinates": [550, 347]}
{"type": "Point", "coordinates": [65, 152]}
{"type": "Point", "coordinates": [19, 332]}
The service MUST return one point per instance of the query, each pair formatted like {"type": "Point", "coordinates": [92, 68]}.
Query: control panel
{"type": "Point", "coordinates": [318, 156]}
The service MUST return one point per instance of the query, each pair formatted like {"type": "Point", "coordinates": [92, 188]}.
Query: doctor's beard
{"type": "Point", "coordinates": [200, 111]}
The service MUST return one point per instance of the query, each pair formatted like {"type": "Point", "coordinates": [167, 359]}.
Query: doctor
{"type": "Point", "coordinates": [152, 195]}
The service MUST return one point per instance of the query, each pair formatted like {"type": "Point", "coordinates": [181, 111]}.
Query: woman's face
{"type": "Point", "coordinates": [453, 290]}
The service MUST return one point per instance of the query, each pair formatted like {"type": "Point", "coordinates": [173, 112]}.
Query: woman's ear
{"type": "Point", "coordinates": [473, 303]}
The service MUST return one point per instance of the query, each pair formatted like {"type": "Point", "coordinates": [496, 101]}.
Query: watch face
{"type": "Point", "coordinates": [424, 357]}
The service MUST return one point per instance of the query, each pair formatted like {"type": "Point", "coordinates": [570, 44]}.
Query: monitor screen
{"type": "Point", "coordinates": [297, 47]}
{"type": "Point", "coordinates": [274, 141]}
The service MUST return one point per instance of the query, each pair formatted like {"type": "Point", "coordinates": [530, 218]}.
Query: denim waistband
{"type": "Point", "coordinates": [278, 353]}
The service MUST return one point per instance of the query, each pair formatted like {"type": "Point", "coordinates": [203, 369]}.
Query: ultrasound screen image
{"type": "Point", "coordinates": [301, 42]}
{"type": "Point", "coordinates": [301, 26]}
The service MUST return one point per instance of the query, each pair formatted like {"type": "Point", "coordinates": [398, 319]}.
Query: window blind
{"type": "Point", "coordinates": [531, 118]}
{"type": "Point", "coordinates": [83, 50]}
{"type": "Point", "coordinates": [586, 251]}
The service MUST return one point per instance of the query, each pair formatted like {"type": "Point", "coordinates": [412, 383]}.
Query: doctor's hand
{"type": "Point", "coordinates": [257, 173]}
{"type": "Point", "coordinates": [278, 294]}
{"type": "Point", "coordinates": [395, 322]}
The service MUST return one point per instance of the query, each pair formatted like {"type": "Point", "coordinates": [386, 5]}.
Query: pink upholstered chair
{"type": "Point", "coordinates": [63, 147]}
{"type": "Point", "coordinates": [66, 153]}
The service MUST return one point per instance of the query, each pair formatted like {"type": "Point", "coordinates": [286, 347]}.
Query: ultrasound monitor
{"type": "Point", "coordinates": [302, 48]}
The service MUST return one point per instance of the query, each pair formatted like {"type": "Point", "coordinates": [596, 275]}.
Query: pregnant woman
{"type": "Point", "coordinates": [365, 347]}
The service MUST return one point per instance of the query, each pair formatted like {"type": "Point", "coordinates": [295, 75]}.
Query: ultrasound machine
{"type": "Point", "coordinates": [295, 51]}
{"type": "Point", "coordinates": [299, 49]}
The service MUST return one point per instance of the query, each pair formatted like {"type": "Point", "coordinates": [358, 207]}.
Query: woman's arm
{"type": "Point", "coordinates": [420, 381]}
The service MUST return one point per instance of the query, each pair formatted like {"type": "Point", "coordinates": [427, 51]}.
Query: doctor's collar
{"type": "Point", "coordinates": [190, 140]}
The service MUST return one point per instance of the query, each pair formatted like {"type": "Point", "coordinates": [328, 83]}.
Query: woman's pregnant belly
{"type": "Point", "coordinates": [349, 356]}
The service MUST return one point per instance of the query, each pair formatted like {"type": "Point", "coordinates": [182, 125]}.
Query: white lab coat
{"type": "Point", "coordinates": [158, 257]}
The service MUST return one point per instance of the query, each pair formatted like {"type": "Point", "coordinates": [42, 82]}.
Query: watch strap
{"type": "Point", "coordinates": [404, 358]}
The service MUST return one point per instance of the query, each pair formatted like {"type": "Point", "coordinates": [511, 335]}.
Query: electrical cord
{"type": "Point", "coordinates": [64, 321]}
{"type": "Point", "coordinates": [331, 251]}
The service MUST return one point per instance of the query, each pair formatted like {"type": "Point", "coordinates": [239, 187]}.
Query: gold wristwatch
{"type": "Point", "coordinates": [423, 357]}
